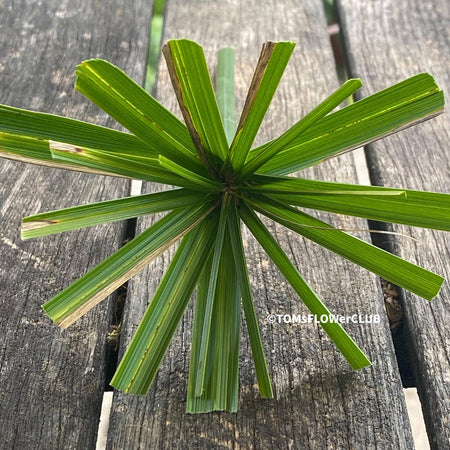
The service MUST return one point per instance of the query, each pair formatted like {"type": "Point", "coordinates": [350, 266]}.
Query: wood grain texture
{"type": "Point", "coordinates": [319, 402]}
{"type": "Point", "coordinates": [386, 42]}
{"type": "Point", "coordinates": [52, 381]}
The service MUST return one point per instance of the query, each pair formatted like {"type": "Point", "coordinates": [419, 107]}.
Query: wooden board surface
{"type": "Point", "coordinates": [319, 402]}
{"type": "Point", "coordinates": [51, 382]}
{"type": "Point", "coordinates": [388, 41]}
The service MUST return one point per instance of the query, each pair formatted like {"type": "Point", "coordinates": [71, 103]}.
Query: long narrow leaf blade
{"type": "Point", "coordinates": [262, 372]}
{"type": "Point", "coordinates": [196, 372]}
{"type": "Point", "coordinates": [192, 84]}
{"type": "Point", "coordinates": [272, 62]}
{"type": "Point", "coordinates": [118, 95]}
{"type": "Point", "coordinates": [141, 361]}
{"type": "Point", "coordinates": [390, 267]}
{"type": "Point", "coordinates": [34, 150]}
{"type": "Point", "coordinates": [416, 208]}
{"type": "Point", "coordinates": [70, 131]}
{"type": "Point", "coordinates": [225, 92]}
{"type": "Point", "coordinates": [87, 291]}
{"type": "Point", "coordinates": [400, 106]}
{"type": "Point", "coordinates": [334, 100]}
{"type": "Point", "coordinates": [134, 167]}
{"type": "Point", "coordinates": [337, 334]}
{"type": "Point", "coordinates": [221, 380]}
{"type": "Point", "coordinates": [211, 296]}
{"type": "Point", "coordinates": [107, 211]}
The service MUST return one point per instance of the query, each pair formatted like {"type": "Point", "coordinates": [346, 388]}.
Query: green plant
{"type": "Point", "coordinates": [221, 182]}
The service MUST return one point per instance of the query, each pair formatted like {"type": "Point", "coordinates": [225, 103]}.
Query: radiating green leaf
{"type": "Point", "coordinates": [337, 334]}
{"type": "Point", "coordinates": [70, 131]}
{"type": "Point", "coordinates": [416, 208]}
{"type": "Point", "coordinates": [192, 84]}
{"type": "Point", "coordinates": [118, 164]}
{"type": "Point", "coordinates": [196, 372]}
{"type": "Point", "coordinates": [211, 296]}
{"type": "Point", "coordinates": [390, 267]}
{"type": "Point", "coordinates": [334, 100]}
{"type": "Point", "coordinates": [272, 62]}
{"type": "Point", "coordinates": [221, 379]}
{"type": "Point", "coordinates": [37, 151]}
{"type": "Point", "coordinates": [91, 214]}
{"type": "Point", "coordinates": [262, 373]}
{"type": "Point", "coordinates": [226, 99]}
{"type": "Point", "coordinates": [118, 95]}
{"type": "Point", "coordinates": [90, 289]}
{"type": "Point", "coordinates": [400, 106]}
{"type": "Point", "coordinates": [141, 361]}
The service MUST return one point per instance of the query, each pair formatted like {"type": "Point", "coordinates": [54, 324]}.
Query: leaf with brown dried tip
{"type": "Point", "coordinates": [124, 100]}
{"type": "Point", "coordinates": [271, 64]}
{"type": "Point", "coordinates": [193, 87]}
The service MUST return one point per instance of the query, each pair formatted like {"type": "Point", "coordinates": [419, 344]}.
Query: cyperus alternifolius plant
{"type": "Point", "coordinates": [221, 182]}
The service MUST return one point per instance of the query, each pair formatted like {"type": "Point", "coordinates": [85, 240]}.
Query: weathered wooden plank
{"type": "Point", "coordinates": [386, 42]}
{"type": "Point", "coordinates": [51, 382]}
{"type": "Point", "coordinates": [320, 402]}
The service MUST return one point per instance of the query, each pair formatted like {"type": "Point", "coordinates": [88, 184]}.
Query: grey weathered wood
{"type": "Point", "coordinates": [386, 42]}
{"type": "Point", "coordinates": [51, 382]}
{"type": "Point", "coordinates": [319, 402]}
